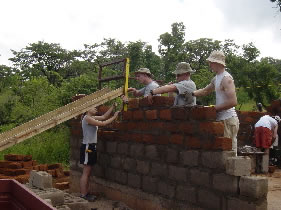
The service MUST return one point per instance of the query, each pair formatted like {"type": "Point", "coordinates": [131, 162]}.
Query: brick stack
{"type": "Point", "coordinates": [18, 167]}
{"type": "Point", "coordinates": [163, 157]}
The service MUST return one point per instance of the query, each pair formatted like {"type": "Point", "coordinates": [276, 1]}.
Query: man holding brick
{"type": "Point", "coordinates": [226, 100]}
{"type": "Point", "coordinates": [183, 87]}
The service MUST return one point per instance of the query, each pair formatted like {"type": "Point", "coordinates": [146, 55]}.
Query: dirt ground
{"type": "Point", "coordinates": [273, 196]}
{"type": "Point", "coordinates": [274, 190]}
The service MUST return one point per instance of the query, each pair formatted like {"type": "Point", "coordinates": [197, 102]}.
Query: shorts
{"type": "Point", "coordinates": [231, 127]}
{"type": "Point", "coordinates": [263, 137]}
{"type": "Point", "coordinates": [88, 154]}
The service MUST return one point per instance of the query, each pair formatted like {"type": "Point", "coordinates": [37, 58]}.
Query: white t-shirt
{"type": "Point", "coordinates": [183, 87]}
{"type": "Point", "coordinates": [89, 132]}
{"type": "Point", "coordinates": [221, 97]}
{"type": "Point", "coordinates": [267, 122]}
{"type": "Point", "coordinates": [146, 90]}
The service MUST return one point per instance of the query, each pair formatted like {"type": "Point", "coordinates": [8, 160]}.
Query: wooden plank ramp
{"type": "Point", "coordinates": [53, 118]}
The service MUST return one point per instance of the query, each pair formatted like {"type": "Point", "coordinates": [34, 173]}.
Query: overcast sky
{"type": "Point", "coordinates": [73, 23]}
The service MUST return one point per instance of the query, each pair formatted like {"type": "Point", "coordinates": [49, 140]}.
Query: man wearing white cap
{"type": "Point", "coordinates": [183, 87]}
{"type": "Point", "coordinates": [143, 75]}
{"type": "Point", "coordinates": [226, 100]}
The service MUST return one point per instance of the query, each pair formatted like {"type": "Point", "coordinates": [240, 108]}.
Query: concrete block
{"type": "Point", "coordinates": [49, 201]}
{"type": "Point", "coordinates": [121, 177]}
{"type": "Point", "coordinates": [186, 193]}
{"type": "Point", "coordinates": [103, 159]}
{"type": "Point", "coordinates": [166, 189]}
{"type": "Point", "coordinates": [40, 179]}
{"type": "Point", "coordinates": [209, 199]}
{"type": "Point", "coordinates": [151, 152]}
{"type": "Point", "coordinates": [111, 146]}
{"type": "Point", "coordinates": [137, 150]}
{"type": "Point", "coordinates": [216, 159]}
{"type": "Point", "coordinates": [177, 173]}
{"type": "Point", "coordinates": [123, 148]}
{"type": "Point", "coordinates": [236, 203]}
{"type": "Point", "coordinates": [115, 162]}
{"type": "Point", "coordinates": [76, 203]}
{"type": "Point", "coordinates": [158, 169]}
{"type": "Point", "coordinates": [190, 158]}
{"type": "Point", "coordinates": [129, 164]}
{"type": "Point", "coordinates": [56, 196]}
{"type": "Point", "coordinates": [238, 166]}
{"type": "Point", "coordinates": [62, 207]}
{"type": "Point", "coordinates": [101, 146]}
{"type": "Point", "coordinates": [134, 180]}
{"type": "Point", "coordinates": [225, 183]}
{"type": "Point", "coordinates": [172, 155]}
{"type": "Point", "coordinates": [200, 177]}
{"type": "Point", "coordinates": [149, 184]}
{"type": "Point", "coordinates": [253, 186]}
{"type": "Point", "coordinates": [143, 167]}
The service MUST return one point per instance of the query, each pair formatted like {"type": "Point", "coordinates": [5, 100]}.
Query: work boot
{"type": "Point", "coordinates": [89, 197]}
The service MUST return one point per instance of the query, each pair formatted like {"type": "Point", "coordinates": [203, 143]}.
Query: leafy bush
{"type": "Point", "coordinates": [48, 147]}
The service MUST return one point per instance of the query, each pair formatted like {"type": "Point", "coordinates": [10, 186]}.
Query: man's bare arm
{"type": "Point", "coordinates": [228, 87]}
{"type": "Point", "coordinates": [205, 91]}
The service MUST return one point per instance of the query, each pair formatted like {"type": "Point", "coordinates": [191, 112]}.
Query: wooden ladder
{"type": "Point", "coordinates": [53, 118]}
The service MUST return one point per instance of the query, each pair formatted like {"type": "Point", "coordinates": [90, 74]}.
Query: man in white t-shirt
{"type": "Point", "coordinates": [183, 87]}
{"type": "Point", "coordinates": [143, 76]}
{"type": "Point", "coordinates": [226, 100]}
{"type": "Point", "coordinates": [266, 130]}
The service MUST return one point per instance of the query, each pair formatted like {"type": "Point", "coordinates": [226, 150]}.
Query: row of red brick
{"type": "Point", "coordinates": [186, 127]}
{"type": "Point", "coordinates": [173, 113]}
{"type": "Point", "coordinates": [190, 142]}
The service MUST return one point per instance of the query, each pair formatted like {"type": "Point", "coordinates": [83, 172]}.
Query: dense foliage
{"type": "Point", "coordinates": [45, 76]}
{"type": "Point", "coordinates": [278, 3]}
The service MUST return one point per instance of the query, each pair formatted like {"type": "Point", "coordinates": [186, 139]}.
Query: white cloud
{"type": "Point", "coordinates": [73, 23]}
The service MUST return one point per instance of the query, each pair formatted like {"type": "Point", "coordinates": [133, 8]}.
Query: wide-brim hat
{"type": "Point", "coordinates": [182, 68]}
{"type": "Point", "coordinates": [217, 57]}
{"type": "Point", "coordinates": [143, 71]}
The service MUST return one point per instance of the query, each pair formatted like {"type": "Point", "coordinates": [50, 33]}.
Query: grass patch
{"type": "Point", "coordinates": [51, 146]}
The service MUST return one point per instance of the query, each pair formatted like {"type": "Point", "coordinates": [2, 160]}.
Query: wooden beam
{"type": "Point", "coordinates": [53, 118]}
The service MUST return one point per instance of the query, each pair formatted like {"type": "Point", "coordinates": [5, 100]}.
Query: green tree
{"type": "Point", "coordinates": [259, 82]}
{"type": "Point", "coordinates": [202, 78]}
{"type": "Point", "coordinates": [84, 84]}
{"type": "Point", "coordinates": [33, 98]}
{"type": "Point", "coordinates": [278, 3]}
{"type": "Point", "coordinates": [44, 59]}
{"type": "Point", "coordinates": [250, 52]}
{"type": "Point", "coordinates": [171, 49]}
{"type": "Point", "coordinates": [197, 51]}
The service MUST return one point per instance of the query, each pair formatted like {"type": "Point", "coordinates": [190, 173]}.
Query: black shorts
{"type": "Point", "coordinates": [88, 154]}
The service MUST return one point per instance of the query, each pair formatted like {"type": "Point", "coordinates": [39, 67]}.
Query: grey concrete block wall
{"type": "Point", "coordinates": [199, 178]}
{"type": "Point", "coordinates": [179, 169]}
{"type": "Point", "coordinates": [238, 166]}
{"type": "Point", "coordinates": [234, 203]}
{"type": "Point", "coordinates": [253, 187]}
{"type": "Point", "coordinates": [225, 183]}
